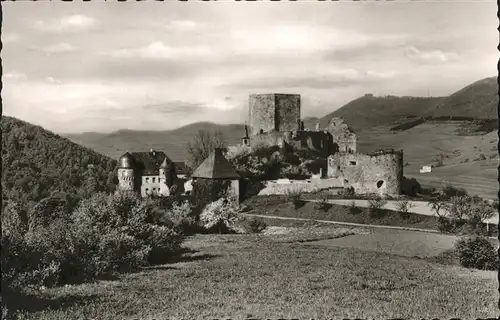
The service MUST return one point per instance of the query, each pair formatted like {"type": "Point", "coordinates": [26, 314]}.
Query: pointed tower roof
{"type": "Point", "coordinates": [216, 166]}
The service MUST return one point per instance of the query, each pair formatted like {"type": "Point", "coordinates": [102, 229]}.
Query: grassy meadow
{"type": "Point", "coordinates": [427, 141]}
{"type": "Point", "coordinates": [259, 276]}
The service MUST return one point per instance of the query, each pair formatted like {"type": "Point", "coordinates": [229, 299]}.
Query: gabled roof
{"type": "Point", "coordinates": [148, 163]}
{"type": "Point", "coordinates": [216, 166]}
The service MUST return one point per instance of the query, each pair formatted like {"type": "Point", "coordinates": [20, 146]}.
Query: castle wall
{"type": "Point", "coordinates": [275, 187]}
{"type": "Point", "coordinates": [342, 135]}
{"type": "Point", "coordinates": [287, 112]}
{"type": "Point", "coordinates": [380, 173]}
{"type": "Point", "coordinates": [262, 113]}
{"type": "Point", "coordinates": [316, 141]}
{"type": "Point", "coordinates": [267, 139]}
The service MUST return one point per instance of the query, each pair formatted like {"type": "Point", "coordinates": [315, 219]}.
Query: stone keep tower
{"type": "Point", "coordinates": [274, 112]}
{"type": "Point", "coordinates": [126, 179]}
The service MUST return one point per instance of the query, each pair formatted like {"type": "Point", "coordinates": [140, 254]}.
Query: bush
{"type": "Point", "coordinates": [445, 225]}
{"type": "Point", "coordinates": [323, 203]}
{"type": "Point", "coordinates": [295, 195]}
{"type": "Point", "coordinates": [472, 210]}
{"type": "Point", "coordinates": [478, 253]}
{"type": "Point", "coordinates": [404, 206]}
{"type": "Point", "coordinates": [375, 206]}
{"type": "Point", "coordinates": [206, 191]}
{"type": "Point", "coordinates": [449, 191]}
{"type": "Point", "coordinates": [353, 209]}
{"type": "Point", "coordinates": [220, 217]}
{"type": "Point", "coordinates": [348, 192]}
{"type": "Point", "coordinates": [410, 187]}
{"type": "Point", "coordinates": [255, 225]}
{"type": "Point", "coordinates": [181, 217]}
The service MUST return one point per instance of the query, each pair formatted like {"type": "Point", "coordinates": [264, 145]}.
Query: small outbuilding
{"type": "Point", "coordinates": [426, 169]}
{"type": "Point", "coordinates": [217, 168]}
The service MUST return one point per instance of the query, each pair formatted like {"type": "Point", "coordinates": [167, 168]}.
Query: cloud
{"type": "Point", "coordinates": [183, 25]}
{"type": "Point", "coordinates": [53, 80]}
{"type": "Point", "coordinates": [14, 76]}
{"type": "Point", "coordinates": [62, 47]}
{"type": "Point", "coordinates": [160, 51]}
{"type": "Point", "coordinates": [320, 78]}
{"type": "Point", "coordinates": [73, 23]}
{"type": "Point", "coordinates": [175, 107]}
{"type": "Point", "coordinates": [414, 53]}
{"type": "Point", "coordinates": [9, 37]}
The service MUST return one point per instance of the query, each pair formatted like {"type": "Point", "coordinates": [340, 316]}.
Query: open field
{"type": "Point", "coordinates": [238, 276]}
{"type": "Point", "coordinates": [341, 213]}
{"type": "Point", "coordinates": [423, 143]}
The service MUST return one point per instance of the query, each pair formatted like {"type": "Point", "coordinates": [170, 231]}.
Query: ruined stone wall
{"type": "Point", "coordinates": [262, 113]}
{"type": "Point", "coordinates": [343, 136]}
{"type": "Point", "coordinates": [317, 141]}
{"type": "Point", "coordinates": [267, 139]}
{"type": "Point", "coordinates": [287, 112]}
{"type": "Point", "coordinates": [273, 187]}
{"type": "Point", "coordinates": [380, 173]}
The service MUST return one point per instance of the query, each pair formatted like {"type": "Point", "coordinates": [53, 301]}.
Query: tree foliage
{"type": "Point", "coordinates": [202, 144]}
{"type": "Point", "coordinates": [37, 163]}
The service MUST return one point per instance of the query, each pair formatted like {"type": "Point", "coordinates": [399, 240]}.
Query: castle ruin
{"type": "Point", "coordinates": [275, 120]}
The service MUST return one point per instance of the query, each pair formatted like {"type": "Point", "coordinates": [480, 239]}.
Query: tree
{"type": "Point", "coordinates": [202, 144]}
{"type": "Point", "coordinates": [437, 205]}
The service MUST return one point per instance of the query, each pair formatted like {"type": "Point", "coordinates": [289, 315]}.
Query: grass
{"type": "Point", "coordinates": [240, 276]}
{"type": "Point", "coordinates": [342, 214]}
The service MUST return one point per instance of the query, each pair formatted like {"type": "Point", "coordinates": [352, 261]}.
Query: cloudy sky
{"type": "Point", "coordinates": [75, 67]}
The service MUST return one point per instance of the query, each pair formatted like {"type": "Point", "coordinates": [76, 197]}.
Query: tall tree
{"type": "Point", "coordinates": [202, 144]}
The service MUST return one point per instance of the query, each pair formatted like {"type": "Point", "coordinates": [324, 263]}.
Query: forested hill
{"type": "Point", "coordinates": [37, 163]}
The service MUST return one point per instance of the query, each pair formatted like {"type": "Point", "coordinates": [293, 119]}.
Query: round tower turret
{"type": "Point", "coordinates": [126, 177]}
{"type": "Point", "coordinates": [126, 161]}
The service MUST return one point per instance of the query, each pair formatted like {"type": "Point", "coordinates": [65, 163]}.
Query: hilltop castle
{"type": "Point", "coordinates": [275, 120]}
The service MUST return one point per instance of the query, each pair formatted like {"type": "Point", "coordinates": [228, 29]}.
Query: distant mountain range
{"type": "Point", "coordinates": [477, 100]}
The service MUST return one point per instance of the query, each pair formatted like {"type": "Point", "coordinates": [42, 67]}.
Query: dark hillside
{"type": "Point", "coordinates": [37, 163]}
{"type": "Point", "coordinates": [369, 111]}
{"type": "Point", "coordinates": [478, 100]}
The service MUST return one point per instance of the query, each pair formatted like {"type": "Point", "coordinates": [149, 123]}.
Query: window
{"type": "Point", "coordinates": [147, 180]}
{"type": "Point", "coordinates": [352, 163]}
{"type": "Point", "coordinates": [261, 130]}
{"type": "Point", "coordinates": [153, 180]}
{"type": "Point", "coordinates": [147, 190]}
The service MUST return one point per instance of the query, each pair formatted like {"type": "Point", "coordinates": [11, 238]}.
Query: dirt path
{"type": "Point", "coordinates": [418, 207]}
{"type": "Point", "coordinates": [374, 226]}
